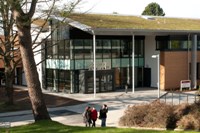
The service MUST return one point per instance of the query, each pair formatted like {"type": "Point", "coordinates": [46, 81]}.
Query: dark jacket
{"type": "Point", "coordinates": [103, 113]}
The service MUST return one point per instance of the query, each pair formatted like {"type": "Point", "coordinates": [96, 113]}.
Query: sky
{"type": "Point", "coordinates": [172, 8]}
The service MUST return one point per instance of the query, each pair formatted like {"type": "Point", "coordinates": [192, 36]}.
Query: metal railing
{"type": "Point", "coordinates": [179, 97]}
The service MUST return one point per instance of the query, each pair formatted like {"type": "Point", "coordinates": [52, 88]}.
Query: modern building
{"type": "Point", "coordinates": [97, 53]}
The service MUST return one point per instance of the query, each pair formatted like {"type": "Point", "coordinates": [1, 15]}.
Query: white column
{"type": "Point", "coordinates": [94, 63]}
{"type": "Point", "coordinates": [71, 73]}
{"type": "Point", "coordinates": [158, 62]}
{"type": "Point", "coordinates": [133, 64]}
{"type": "Point", "coordinates": [158, 72]}
{"type": "Point", "coordinates": [194, 62]}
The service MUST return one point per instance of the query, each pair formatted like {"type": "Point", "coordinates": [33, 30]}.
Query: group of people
{"type": "Point", "coordinates": [90, 116]}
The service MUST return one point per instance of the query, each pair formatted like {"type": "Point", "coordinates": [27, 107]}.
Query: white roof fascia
{"type": "Point", "coordinates": [80, 26]}
{"type": "Point", "coordinates": [105, 31]}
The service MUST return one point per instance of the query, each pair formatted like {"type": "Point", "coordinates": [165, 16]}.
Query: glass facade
{"type": "Point", "coordinates": [69, 59]}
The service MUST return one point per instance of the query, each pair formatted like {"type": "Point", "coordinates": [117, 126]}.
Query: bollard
{"type": "Point", "coordinates": [126, 88]}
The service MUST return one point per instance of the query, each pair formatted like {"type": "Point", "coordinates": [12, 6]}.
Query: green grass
{"type": "Point", "coordinates": [135, 22]}
{"type": "Point", "coordinates": [55, 127]}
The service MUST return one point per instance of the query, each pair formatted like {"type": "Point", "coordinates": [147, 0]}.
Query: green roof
{"type": "Point", "coordinates": [136, 22]}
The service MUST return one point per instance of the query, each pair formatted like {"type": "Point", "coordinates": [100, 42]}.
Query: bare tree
{"type": "Point", "coordinates": [23, 12]}
{"type": "Point", "coordinates": [9, 49]}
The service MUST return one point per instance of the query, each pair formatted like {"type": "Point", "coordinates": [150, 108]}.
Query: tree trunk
{"type": "Point", "coordinates": [35, 92]}
{"type": "Point", "coordinates": [23, 19]}
{"type": "Point", "coordinates": [9, 85]}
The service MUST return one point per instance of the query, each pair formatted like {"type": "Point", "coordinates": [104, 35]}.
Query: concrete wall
{"type": "Point", "coordinates": [150, 49]}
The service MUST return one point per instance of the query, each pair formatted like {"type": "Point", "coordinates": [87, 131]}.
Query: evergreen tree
{"type": "Point", "coordinates": [153, 9]}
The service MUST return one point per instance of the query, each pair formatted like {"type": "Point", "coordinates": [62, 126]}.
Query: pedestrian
{"type": "Point", "coordinates": [87, 116]}
{"type": "Point", "coordinates": [94, 116]}
{"type": "Point", "coordinates": [103, 115]}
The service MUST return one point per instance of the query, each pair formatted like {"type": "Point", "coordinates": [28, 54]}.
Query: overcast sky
{"type": "Point", "coordinates": [172, 8]}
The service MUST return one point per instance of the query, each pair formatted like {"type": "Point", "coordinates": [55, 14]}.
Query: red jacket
{"type": "Point", "coordinates": [93, 114]}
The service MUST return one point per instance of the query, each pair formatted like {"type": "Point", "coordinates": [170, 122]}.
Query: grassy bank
{"type": "Point", "coordinates": [55, 127]}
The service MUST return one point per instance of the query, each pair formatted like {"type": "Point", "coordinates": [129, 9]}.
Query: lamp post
{"type": "Point", "coordinates": [158, 65]}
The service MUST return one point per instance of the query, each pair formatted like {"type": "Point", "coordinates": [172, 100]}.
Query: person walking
{"type": "Point", "coordinates": [94, 116]}
{"type": "Point", "coordinates": [103, 115]}
{"type": "Point", "coordinates": [87, 116]}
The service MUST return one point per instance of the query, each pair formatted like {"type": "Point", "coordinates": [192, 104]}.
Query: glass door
{"type": "Point", "coordinates": [104, 81]}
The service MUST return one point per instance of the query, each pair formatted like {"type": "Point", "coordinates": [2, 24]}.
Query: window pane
{"type": "Point", "coordinates": [139, 51]}
{"type": "Point", "coordinates": [88, 49]}
{"type": "Point", "coordinates": [67, 49]}
{"type": "Point", "coordinates": [78, 48]}
{"type": "Point", "coordinates": [99, 49]}
{"type": "Point", "coordinates": [125, 48]}
{"type": "Point", "coordinates": [178, 44]}
{"type": "Point", "coordinates": [61, 49]}
{"type": "Point", "coordinates": [106, 49]}
{"type": "Point", "coordinates": [49, 74]}
{"type": "Point", "coordinates": [49, 50]}
{"type": "Point", "coordinates": [115, 48]}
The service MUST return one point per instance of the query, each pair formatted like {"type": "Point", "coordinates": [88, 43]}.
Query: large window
{"type": "Point", "coordinates": [78, 49]}
{"type": "Point", "coordinates": [59, 50]}
{"type": "Point", "coordinates": [106, 49]}
{"type": "Point", "coordinates": [125, 48]}
{"type": "Point", "coordinates": [178, 44]}
{"type": "Point", "coordinates": [49, 50]}
{"type": "Point", "coordinates": [173, 43]}
{"type": "Point", "coordinates": [139, 48]}
{"type": "Point", "coordinates": [111, 52]}
{"type": "Point", "coordinates": [64, 80]}
{"type": "Point", "coordinates": [64, 49]}
{"type": "Point", "coordinates": [88, 49]}
{"type": "Point", "coordinates": [99, 49]}
{"type": "Point", "coordinates": [49, 77]}
{"type": "Point", "coordinates": [116, 49]}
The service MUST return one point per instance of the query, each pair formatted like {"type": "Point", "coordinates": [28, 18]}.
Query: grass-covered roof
{"type": "Point", "coordinates": [136, 22]}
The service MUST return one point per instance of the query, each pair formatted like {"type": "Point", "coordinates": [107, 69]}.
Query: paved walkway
{"type": "Point", "coordinates": [72, 115]}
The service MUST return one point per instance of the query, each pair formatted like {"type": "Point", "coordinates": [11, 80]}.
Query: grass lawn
{"type": "Point", "coordinates": [55, 127]}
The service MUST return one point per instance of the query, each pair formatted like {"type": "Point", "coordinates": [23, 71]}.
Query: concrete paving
{"type": "Point", "coordinates": [72, 115]}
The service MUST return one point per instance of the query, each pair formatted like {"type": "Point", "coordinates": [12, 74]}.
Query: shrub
{"type": "Point", "coordinates": [159, 115]}
{"type": "Point", "coordinates": [195, 106]}
{"type": "Point", "coordinates": [190, 121]}
{"type": "Point", "coordinates": [181, 110]}
{"type": "Point", "coordinates": [134, 115]}
{"type": "Point", "coordinates": [155, 114]}
{"type": "Point", "coordinates": [162, 115]}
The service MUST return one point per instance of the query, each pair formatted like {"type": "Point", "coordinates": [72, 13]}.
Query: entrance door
{"type": "Point", "coordinates": [104, 81]}
{"type": "Point", "coordinates": [139, 77]}
{"type": "Point", "coordinates": [142, 77]}
{"type": "Point", "coordinates": [123, 77]}
{"type": "Point", "coordinates": [147, 77]}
